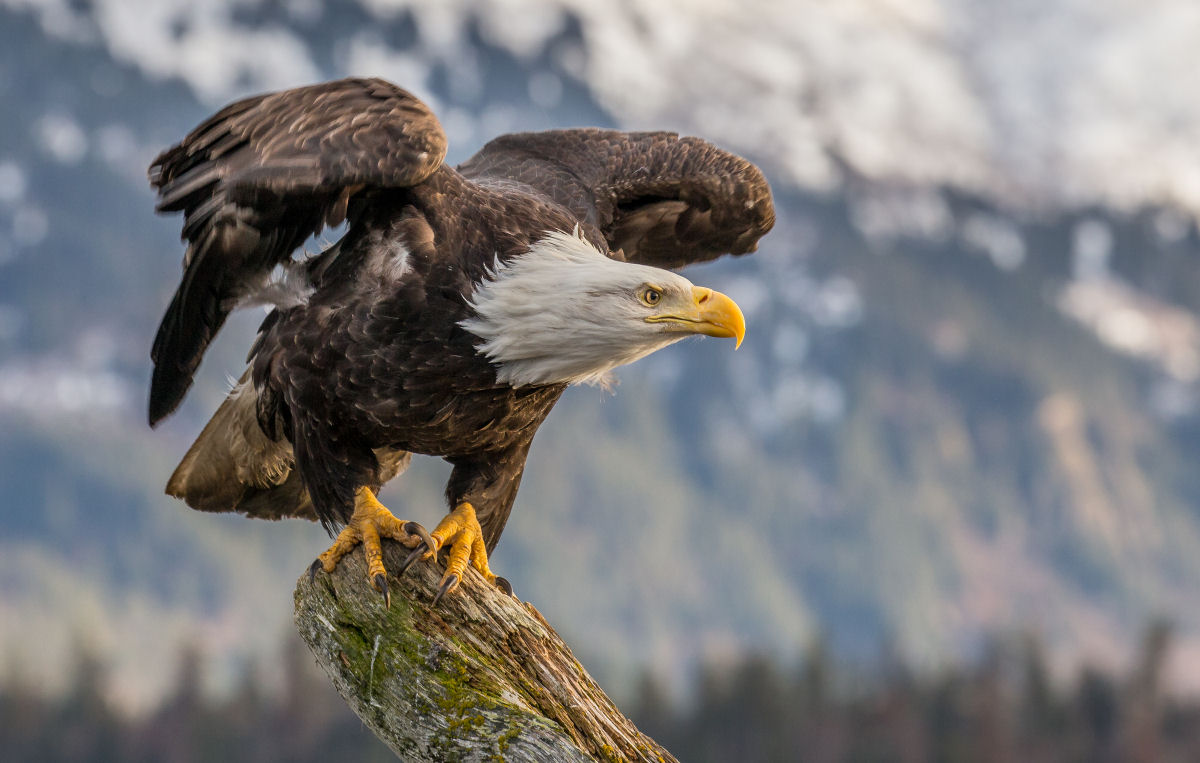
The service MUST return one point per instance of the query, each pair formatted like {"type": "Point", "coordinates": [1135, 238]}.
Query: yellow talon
{"type": "Point", "coordinates": [370, 521]}
{"type": "Point", "coordinates": [460, 528]}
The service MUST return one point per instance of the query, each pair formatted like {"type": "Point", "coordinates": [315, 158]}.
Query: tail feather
{"type": "Point", "coordinates": [234, 466]}
{"type": "Point", "coordinates": [233, 460]}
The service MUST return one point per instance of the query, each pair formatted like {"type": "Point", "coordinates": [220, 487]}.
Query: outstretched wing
{"type": "Point", "coordinates": [662, 199]}
{"type": "Point", "coordinates": [260, 177]}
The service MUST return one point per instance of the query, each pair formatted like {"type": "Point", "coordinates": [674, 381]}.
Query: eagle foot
{"type": "Point", "coordinates": [371, 521]}
{"type": "Point", "coordinates": [461, 531]}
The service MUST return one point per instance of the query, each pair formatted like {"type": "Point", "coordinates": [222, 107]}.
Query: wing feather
{"type": "Point", "coordinates": [659, 198]}
{"type": "Point", "coordinates": [259, 177]}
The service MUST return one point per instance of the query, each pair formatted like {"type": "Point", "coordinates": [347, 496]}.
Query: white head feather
{"type": "Point", "coordinates": [564, 312]}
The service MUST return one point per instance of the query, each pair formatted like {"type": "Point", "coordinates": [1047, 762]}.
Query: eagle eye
{"type": "Point", "coordinates": [651, 296]}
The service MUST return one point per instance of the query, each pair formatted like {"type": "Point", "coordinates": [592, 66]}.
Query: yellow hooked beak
{"type": "Point", "coordinates": [710, 313]}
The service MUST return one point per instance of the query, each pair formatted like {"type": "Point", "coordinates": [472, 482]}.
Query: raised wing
{"type": "Point", "coordinates": [661, 199]}
{"type": "Point", "coordinates": [260, 177]}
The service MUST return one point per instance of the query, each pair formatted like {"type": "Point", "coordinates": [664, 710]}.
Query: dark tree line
{"type": "Point", "coordinates": [306, 721]}
{"type": "Point", "coordinates": [1003, 708]}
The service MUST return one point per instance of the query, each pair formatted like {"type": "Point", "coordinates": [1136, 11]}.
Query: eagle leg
{"type": "Point", "coordinates": [371, 521]}
{"type": "Point", "coordinates": [460, 529]}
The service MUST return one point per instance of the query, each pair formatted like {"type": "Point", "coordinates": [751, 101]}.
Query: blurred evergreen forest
{"type": "Point", "coordinates": [1004, 707]}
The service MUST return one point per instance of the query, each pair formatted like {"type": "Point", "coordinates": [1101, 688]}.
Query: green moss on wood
{"type": "Point", "coordinates": [465, 681]}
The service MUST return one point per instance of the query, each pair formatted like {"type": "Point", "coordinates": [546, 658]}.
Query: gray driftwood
{"type": "Point", "coordinates": [481, 677]}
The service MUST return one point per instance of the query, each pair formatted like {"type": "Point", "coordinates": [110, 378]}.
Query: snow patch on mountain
{"type": "Point", "coordinates": [200, 43]}
{"type": "Point", "coordinates": [62, 138]}
{"type": "Point", "coordinates": [48, 388]}
{"type": "Point", "coordinates": [13, 182]}
{"type": "Point", "coordinates": [1135, 324]}
{"type": "Point", "coordinates": [1064, 103]}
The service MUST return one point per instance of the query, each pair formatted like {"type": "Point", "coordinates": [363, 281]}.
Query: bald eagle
{"type": "Point", "coordinates": [449, 317]}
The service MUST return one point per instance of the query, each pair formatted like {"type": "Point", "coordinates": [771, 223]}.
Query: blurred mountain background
{"type": "Point", "coordinates": [967, 406]}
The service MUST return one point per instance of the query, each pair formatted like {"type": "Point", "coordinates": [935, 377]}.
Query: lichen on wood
{"type": "Point", "coordinates": [481, 677]}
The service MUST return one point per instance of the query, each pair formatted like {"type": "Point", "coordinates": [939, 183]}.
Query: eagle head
{"type": "Point", "coordinates": [564, 312]}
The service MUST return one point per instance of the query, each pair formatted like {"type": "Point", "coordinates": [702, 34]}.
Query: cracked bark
{"type": "Point", "coordinates": [482, 677]}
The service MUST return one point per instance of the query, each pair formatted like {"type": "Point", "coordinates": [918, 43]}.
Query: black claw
{"type": "Point", "coordinates": [416, 528]}
{"type": "Point", "coordinates": [450, 584]}
{"type": "Point", "coordinates": [380, 583]}
{"type": "Point", "coordinates": [416, 554]}
{"type": "Point", "coordinates": [504, 585]}
{"type": "Point", "coordinates": [312, 570]}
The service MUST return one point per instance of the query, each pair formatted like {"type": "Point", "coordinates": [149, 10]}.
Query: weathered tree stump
{"type": "Point", "coordinates": [481, 677]}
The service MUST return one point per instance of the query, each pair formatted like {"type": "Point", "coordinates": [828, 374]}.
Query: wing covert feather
{"type": "Point", "coordinates": [660, 198]}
